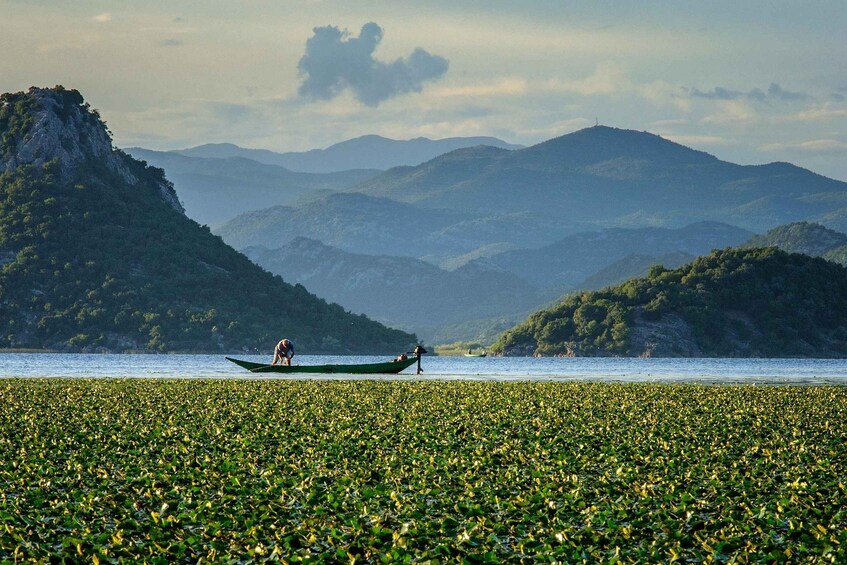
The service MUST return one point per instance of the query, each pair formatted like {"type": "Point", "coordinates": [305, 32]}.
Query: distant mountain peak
{"type": "Point", "coordinates": [364, 152]}
{"type": "Point", "coordinates": [600, 143]}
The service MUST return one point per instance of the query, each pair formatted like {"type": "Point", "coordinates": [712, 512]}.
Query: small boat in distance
{"type": "Point", "coordinates": [470, 353]}
{"type": "Point", "coordinates": [388, 367]}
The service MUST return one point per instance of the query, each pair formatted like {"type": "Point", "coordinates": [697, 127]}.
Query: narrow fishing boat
{"type": "Point", "coordinates": [387, 367]}
{"type": "Point", "coordinates": [471, 354]}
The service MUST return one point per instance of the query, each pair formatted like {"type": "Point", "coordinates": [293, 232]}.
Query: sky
{"type": "Point", "coordinates": [749, 81]}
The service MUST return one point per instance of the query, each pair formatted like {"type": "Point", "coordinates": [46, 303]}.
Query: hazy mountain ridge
{"type": "Point", "coordinates": [215, 190]}
{"type": "Point", "coordinates": [603, 174]}
{"type": "Point", "coordinates": [98, 255]}
{"type": "Point", "coordinates": [409, 293]}
{"type": "Point", "coordinates": [565, 264]}
{"type": "Point", "coordinates": [595, 178]}
{"type": "Point", "coordinates": [546, 205]}
{"type": "Point", "coordinates": [365, 152]}
{"type": "Point", "coordinates": [350, 221]}
{"type": "Point", "coordinates": [400, 291]}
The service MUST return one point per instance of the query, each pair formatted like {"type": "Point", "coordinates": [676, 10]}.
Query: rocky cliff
{"type": "Point", "coordinates": [56, 124]}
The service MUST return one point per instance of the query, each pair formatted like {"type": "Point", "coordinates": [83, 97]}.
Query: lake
{"type": "Point", "coordinates": [752, 371]}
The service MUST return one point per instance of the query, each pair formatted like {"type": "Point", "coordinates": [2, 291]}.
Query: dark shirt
{"type": "Point", "coordinates": [281, 350]}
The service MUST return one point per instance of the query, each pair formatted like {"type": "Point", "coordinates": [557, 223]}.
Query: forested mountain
{"type": "Point", "coordinates": [215, 190]}
{"type": "Point", "coordinates": [614, 178]}
{"type": "Point", "coordinates": [734, 302]}
{"type": "Point", "coordinates": [805, 237]}
{"type": "Point", "coordinates": [365, 152]}
{"type": "Point", "coordinates": [402, 292]}
{"type": "Point", "coordinates": [96, 254]}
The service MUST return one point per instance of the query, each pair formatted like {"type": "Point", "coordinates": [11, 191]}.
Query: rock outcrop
{"type": "Point", "coordinates": [57, 124]}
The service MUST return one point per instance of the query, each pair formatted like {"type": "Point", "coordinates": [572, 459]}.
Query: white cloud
{"type": "Point", "coordinates": [506, 86]}
{"type": "Point", "coordinates": [698, 140]}
{"type": "Point", "coordinates": [818, 146]}
{"type": "Point", "coordinates": [825, 112]}
{"type": "Point", "coordinates": [731, 112]}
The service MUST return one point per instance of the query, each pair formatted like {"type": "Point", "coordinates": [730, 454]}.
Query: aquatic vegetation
{"type": "Point", "coordinates": [369, 471]}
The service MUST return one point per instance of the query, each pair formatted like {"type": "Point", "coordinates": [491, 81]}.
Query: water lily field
{"type": "Point", "coordinates": [225, 470]}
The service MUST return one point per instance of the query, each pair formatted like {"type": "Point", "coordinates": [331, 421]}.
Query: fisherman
{"type": "Point", "coordinates": [283, 352]}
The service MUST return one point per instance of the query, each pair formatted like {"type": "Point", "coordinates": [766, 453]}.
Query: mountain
{"type": "Point", "coordinates": [366, 152]}
{"type": "Point", "coordinates": [610, 177]}
{"type": "Point", "coordinates": [478, 299]}
{"type": "Point", "coordinates": [735, 302]}
{"type": "Point", "coordinates": [632, 266]}
{"type": "Point", "coordinates": [565, 264]}
{"type": "Point", "coordinates": [215, 190]}
{"type": "Point", "coordinates": [352, 222]}
{"type": "Point", "coordinates": [399, 291]}
{"type": "Point", "coordinates": [97, 254]}
{"type": "Point", "coordinates": [590, 180]}
{"type": "Point", "coordinates": [801, 237]}
{"type": "Point", "coordinates": [380, 226]}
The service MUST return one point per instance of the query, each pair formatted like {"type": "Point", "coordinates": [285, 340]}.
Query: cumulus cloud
{"type": "Point", "coordinates": [774, 92]}
{"type": "Point", "coordinates": [717, 93]}
{"type": "Point", "coordinates": [777, 92]}
{"type": "Point", "coordinates": [335, 61]}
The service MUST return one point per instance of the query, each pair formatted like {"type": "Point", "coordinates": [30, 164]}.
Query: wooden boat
{"type": "Point", "coordinates": [387, 367]}
{"type": "Point", "coordinates": [483, 354]}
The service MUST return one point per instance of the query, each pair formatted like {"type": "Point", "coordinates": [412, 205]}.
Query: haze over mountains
{"type": "Point", "coordinates": [401, 292]}
{"type": "Point", "coordinates": [475, 300]}
{"type": "Point", "coordinates": [602, 176]}
{"type": "Point", "coordinates": [595, 178]}
{"type": "Point", "coordinates": [365, 152]}
{"type": "Point", "coordinates": [219, 181]}
{"type": "Point", "coordinates": [214, 190]}
{"type": "Point", "coordinates": [583, 210]}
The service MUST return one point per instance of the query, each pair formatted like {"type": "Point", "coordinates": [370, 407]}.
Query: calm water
{"type": "Point", "coordinates": [764, 371]}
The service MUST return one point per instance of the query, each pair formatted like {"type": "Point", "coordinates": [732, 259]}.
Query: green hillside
{"type": "Point", "coordinates": [96, 254]}
{"type": "Point", "coordinates": [734, 302]}
{"type": "Point", "coordinates": [808, 238]}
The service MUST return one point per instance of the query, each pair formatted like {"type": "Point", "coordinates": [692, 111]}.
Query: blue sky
{"type": "Point", "coordinates": [751, 82]}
